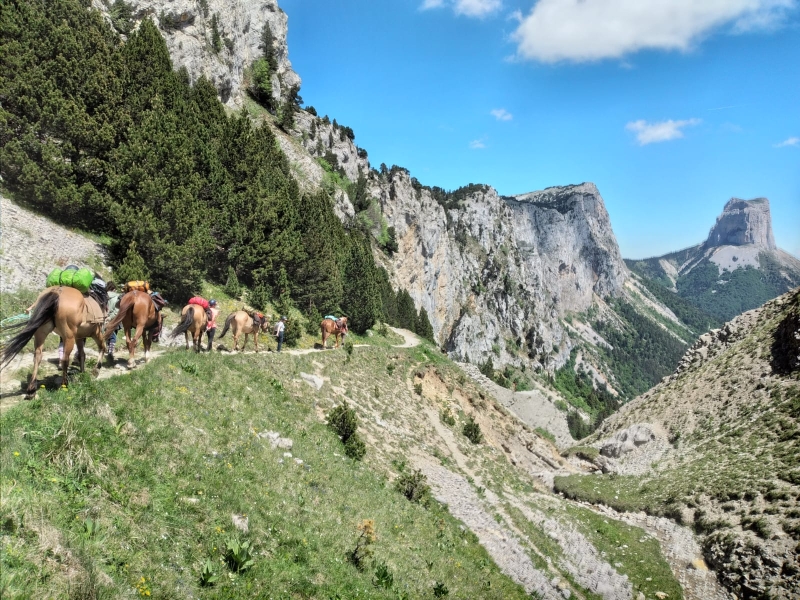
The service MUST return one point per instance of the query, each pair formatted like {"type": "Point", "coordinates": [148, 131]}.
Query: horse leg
{"type": "Point", "coordinates": [131, 346]}
{"type": "Point", "coordinates": [147, 339]}
{"type": "Point", "coordinates": [38, 340]}
{"type": "Point", "coordinates": [255, 340]}
{"type": "Point", "coordinates": [101, 348]}
{"type": "Point", "coordinates": [186, 335]}
{"type": "Point", "coordinates": [69, 344]}
{"type": "Point", "coordinates": [236, 342]}
{"type": "Point", "coordinates": [137, 335]}
{"type": "Point", "coordinates": [324, 340]}
{"type": "Point", "coordinates": [81, 355]}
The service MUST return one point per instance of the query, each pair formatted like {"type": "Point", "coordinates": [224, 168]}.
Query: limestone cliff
{"type": "Point", "coordinates": [743, 222]}
{"type": "Point", "coordinates": [496, 274]}
{"type": "Point", "coordinates": [187, 28]}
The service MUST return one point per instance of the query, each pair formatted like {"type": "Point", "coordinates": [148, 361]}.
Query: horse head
{"type": "Point", "coordinates": [343, 325]}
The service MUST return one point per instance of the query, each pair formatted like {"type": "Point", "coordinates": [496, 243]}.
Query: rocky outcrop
{"type": "Point", "coordinates": [627, 440]}
{"type": "Point", "coordinates": [188, 30]}
{"type": "Point", "coordinates": [499, 272]}
{"type": "Point", "coordinates": [743, 222]}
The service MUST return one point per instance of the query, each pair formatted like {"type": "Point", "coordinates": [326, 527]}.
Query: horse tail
{"type": "Point", "coordinates": [45, 311]}
{"type": "Point", "coordinates": [187, 322]}
{"type": "Point", "coordinates": [228, 322]}
{"type": "Point", "coordinates": [125, 306]}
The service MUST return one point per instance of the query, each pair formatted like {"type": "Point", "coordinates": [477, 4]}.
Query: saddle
{"type": "Point", "coordinates": [258, 318]}
{"type": "Point", "coordinates": [93, 314]}
{"type": "Point", "coordinates": [158, 300]}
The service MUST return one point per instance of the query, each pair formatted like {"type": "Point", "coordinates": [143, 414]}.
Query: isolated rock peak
{"type": "Point", "coordinates": [743, 223]}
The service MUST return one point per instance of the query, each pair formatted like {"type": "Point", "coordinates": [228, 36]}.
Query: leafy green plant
{"type": "Point", "coordinates": [348, 348]}
{"type": "Point", "coordinates": [473, 431]}
{"type": "Point", "coordinates": [90, 527]}
{"type": "Point", "coordinates": [440, 590]}
{"type": "Point", "coordinates": [390, 368]}
{"type": "Point", "coordinates": [208, 576]}
{"type": "Point", "coordinates": [414, 487]}
{"type": "Point", "coordinates": [238, 555]}
{"type": "Point", "coordinates": [383, 576]}
{"type": "Point", "coordinates": [190, 367]}
{"type": "Point", "coordinates": [418, 389]}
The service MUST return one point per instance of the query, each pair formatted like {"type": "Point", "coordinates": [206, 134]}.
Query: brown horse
{"type": "Point", "coordinates": [193, 321]}
{"type": "Point", "coordinates": [72, 315]}
{"type": "Point", "coordinates": [136, 311]}
{"type": "Point", "coordinates": [329, 326]}
{"type": "Point", "coordinates": [242, 323]}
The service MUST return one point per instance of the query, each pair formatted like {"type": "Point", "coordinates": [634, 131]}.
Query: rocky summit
{"type": "Point", "coordinates": [742, 223]}
{"type": "Point", "coordinates": [737, 268]}
{"type": "Point", "coordinates": [190, 29]}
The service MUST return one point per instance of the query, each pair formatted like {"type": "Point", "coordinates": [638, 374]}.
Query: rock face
{"type": "Point", "coordinates": [741, 223]}
{"type": "Point", "coordinates": [188, 30]}
{"type": "Point", "coordinates": [496, 273]}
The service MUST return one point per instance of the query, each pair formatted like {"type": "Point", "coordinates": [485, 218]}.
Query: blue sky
{"type": "Point", "coordinates": [670, 106]}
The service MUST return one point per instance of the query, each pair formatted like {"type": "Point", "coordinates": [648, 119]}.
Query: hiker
{"type": "Point", "coordinates": [160, 302]}
{"type": "Point", "coordinates": [211, 327]}
{"type": "Point", "coordinates": [113, 309]}
{"type": "Point", "coordinates": [279, 330]}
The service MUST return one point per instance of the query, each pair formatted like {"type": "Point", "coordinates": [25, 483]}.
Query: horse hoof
{"type": "Point", "coordinates": [131, 364]}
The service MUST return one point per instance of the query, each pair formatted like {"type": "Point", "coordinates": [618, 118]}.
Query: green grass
{"type": "Point", "coordinates": [132, 483]}
{"type": "Point", "coordinates": [638, 554]}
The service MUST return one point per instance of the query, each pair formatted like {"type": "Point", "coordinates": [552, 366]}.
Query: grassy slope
{"type": "Point", "coordinates": [119, 487]}
{"type": "Point", "coordinates": [736, 427]}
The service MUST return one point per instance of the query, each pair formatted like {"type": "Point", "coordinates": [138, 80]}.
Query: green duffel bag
{"type": "Point", "coordinates": [80, 279]}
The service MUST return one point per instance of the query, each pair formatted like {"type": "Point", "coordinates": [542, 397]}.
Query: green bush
{"type": "Point", "coordinates": [447, 417]}
{"type": "Point", "coordinates": [473, 431]}
{"type": "Point", "coordinates": [232, 287]}
{"type": "Point", "coordinates": [355, 447]}
{"type": "Point", "coordinates": [414, 487]}
{"type": "Point", "coordinates": [343, 420]}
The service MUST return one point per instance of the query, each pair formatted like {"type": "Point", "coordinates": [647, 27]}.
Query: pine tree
{"type": "Point", "coordinates": [423, 328]}
{"type": "Point", "coordinates": [216, 38]}
{"type": "Point", "coordinates": [406, 313]}
{"type": "Point", "coordinates": [361, 301]}
{"type": "Point", "coordinates": [318, 279]}
{"type": "Point", "coordinates": [232, 287]}
{"type": "Point", "coordinates": [132, 267]}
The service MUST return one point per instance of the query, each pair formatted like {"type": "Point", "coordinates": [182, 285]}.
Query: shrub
{"type": "Point", "coordinates": [414, 487]}
{"type": "Point", "coordinates": [348, 348]}
{"type": "Point", "coordinates": [418, 389]}
{"type": "Point", "coordinates": [390, 368]}
{"type": "Point", "coordinates": [447, 417]}
{"type": "Point", "coordinates": [343, 420]}
{"type": "Point", "coordinates": [473, 431]}
{"type": "Point", "coordinates": [362, 550]}
{"type": "Point", "coordinates": [440, 590]}
{"type": "Point", "coordinates": [355, 447]}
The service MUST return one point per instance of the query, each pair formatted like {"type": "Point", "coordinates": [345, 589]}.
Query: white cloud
{"type": "Point", "coordinates": [477, 145]}
{"type": "Point", "coordinates": [792, 141]}
{"type": "Point", "coordinates": [469, 8]}
{"type": "Point", "coordinates": [501, 114]}
{"type": "Point", "coordinates": [587, 30]}
{"type": "Point", "coordinates": [663, 131]}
